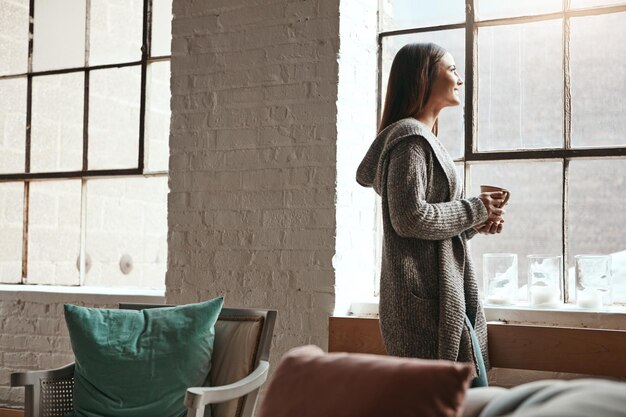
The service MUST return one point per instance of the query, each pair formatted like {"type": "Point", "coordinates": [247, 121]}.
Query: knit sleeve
{"type": "Point", "coordinates": [411, 215]}
{"type": "Point", "coordinates": [470, 233]}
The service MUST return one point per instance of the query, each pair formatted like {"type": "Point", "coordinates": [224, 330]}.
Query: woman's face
{"type": "Point", "coordinates": [445, 88]}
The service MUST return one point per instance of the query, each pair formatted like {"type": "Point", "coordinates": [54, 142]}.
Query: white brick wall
{"type": "Point", "coordinates": [253, 159]}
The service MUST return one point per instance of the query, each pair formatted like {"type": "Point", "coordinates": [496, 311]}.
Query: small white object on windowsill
{"type": "Point", "coordinates": [499, 300]}
{"type": "Point", "coordinates": [544, 296]}
{"type": "Point", "coordinates": [590, 298]}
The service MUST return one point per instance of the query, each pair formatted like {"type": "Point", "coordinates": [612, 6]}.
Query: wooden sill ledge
{"type": "Point", "coordinates": [539, 348]}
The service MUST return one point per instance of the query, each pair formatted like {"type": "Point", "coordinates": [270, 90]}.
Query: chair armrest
{"type": "Point", "coordinates": [22, 379]}
{"type": "Point", "coordinates": [198, 397]}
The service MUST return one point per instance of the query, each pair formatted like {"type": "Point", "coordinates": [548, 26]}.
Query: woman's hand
{"type": "Point", "coordinates": [493, 203]}
{"type": "Point", "coordinates": [489, 228]}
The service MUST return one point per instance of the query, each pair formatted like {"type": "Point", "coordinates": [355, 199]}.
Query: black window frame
{"type": "Point", "coordinates": [27, 177]}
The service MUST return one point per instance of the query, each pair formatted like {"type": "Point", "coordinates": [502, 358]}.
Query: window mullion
{"type": "Point", "coordinates": [25, 233]}
{"type": "Point", "coordinates": [471, 96]}
{"type": "Point", "coordinates": [31, 21]}
{"type": "Point", "coordinates": [29, 116]}
{"type": "Point", "coordinates": [29, 105]}
{"type": "Point", "coordinates": [87, 31]}
{"type": "Point", "coordinates": [86, 94]}
{"type": "Point", "coordinates": [82, 269]}
{"type": "Point", "coordinates": [145, 53]}
{"type": "Point", "coordinates": [564, 225]}
{"type": "Point", "coordinates": [86, 121]}
{"type": "Point", "coordinates": [567, 144]}
{"type": "Point", "coordinates": [567, 94]}
{"type": "Point", "coordinates": [29, 85]}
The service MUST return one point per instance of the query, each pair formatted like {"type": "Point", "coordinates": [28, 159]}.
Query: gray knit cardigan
{"type": "Point", "coordinates": [427, 282]}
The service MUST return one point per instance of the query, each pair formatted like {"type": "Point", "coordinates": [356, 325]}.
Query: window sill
{"type": "Point", "coordinates": [60, 293]}
{"type": "Point", "coordinates": [565, 316]}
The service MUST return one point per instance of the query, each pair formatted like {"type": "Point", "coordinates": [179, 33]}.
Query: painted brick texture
{"type": "Point", "coordinates": [32, 336]}
{"type": "Point", "coordinates": [253, 159]}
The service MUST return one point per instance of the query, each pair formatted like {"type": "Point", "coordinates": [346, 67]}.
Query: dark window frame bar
{"type": "Point", "coordinates": [29, 105]}
{"type": "Point", "coordinates": [471, 153]}
{"type": "Point", "coordinates": [87, 68]}
{"type": "Point", "coordinates": [26, 177]}
{"type": "Point", "coordinates": [567, 145]}
{"type": "Point", "coordinates": [569, 13]}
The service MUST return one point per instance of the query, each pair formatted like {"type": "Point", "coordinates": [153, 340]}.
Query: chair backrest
{"type": "Point", "coordinates": [242, 338]}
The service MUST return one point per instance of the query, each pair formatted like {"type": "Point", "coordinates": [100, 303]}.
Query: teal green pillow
{"type": "Point", "coordinates": [139, 363]}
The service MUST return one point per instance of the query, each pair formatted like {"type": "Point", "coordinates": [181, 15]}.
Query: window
{"type": "Point", "coordinates": [84, 130]}
{"type": "Point", "coordinates": [543, 116]}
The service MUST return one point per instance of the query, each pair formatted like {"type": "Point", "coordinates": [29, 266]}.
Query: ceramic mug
{"type": "Point", "coordinates": [494, 189]}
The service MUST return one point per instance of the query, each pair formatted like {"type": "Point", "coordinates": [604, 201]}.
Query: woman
{"type": "Point", "coordinates": [429, 305]}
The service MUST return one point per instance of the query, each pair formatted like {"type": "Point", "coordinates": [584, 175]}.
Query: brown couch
{"type": "Point", "coordinates": [311, 383]}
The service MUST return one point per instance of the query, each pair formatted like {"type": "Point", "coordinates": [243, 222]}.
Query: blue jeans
{"type": "Point", "coordinates": [480, 380]}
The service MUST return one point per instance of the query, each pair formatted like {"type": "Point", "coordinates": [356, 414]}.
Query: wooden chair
{"type": "Point", "coordinates": [239, 367]}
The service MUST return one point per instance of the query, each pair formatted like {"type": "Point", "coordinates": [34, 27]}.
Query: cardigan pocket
{"type": "Point", "coordinates": [424, 326]}
{"type": "Point", "coordinates": [424, 300]}
{"type": "Point", "coordinates": [425, 307]}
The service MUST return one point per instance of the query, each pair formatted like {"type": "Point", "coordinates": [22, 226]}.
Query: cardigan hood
{"type": "Point", "coordinates": [371, 170]}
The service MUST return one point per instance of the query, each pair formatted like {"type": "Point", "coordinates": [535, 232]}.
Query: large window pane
{"type": "Point", "coordinates": [596, 215]}
{"type": "Point", "coordinates": [59, 34]}
{"type": "Point", "coordinates": [158, 117]}
{"type": "Point", "coordinates": [11, 224]}
{"type": "Point", "coordinates": [520, 90]}
{"type": "Point", "coordinates": [126, 235]}
{"type": "Point", "coordinates": [533, 219]}
{"type": "Point", "coordinates": [13, 36]}
{"type": "Point", "coordinates": [598, 66]}
{"type": "Point", "coordinates": [402, 14]}
{"type": "Point", "coordinates": [57, 123]}
{"type": "Point", "coordinates": [492, 9]}
{"type": "Point", "coordinates": [114, 118]}
{"type": "Point", "coordinates": [12, 125]}
{"type": "Point", "coordinates": [54, 232]}
{"type": "Point", "coordinates": [115, 31]}
{"type": "Point", "coordinates": [451, 130]}
{"type": "Point", "coordinates": [161, 27]}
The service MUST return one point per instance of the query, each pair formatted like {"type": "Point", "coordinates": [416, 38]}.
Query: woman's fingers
{"type": "Point", "coordinates": [490, 227]}
{"type": "Point", "coordinates": [493, 202]}
{"type": "Point", "coordinates": [496, 216]}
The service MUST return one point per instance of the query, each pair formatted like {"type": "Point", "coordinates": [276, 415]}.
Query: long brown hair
{"type": "Point", "coordinates": [412, 73]}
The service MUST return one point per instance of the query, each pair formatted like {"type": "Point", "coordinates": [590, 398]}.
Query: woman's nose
{"type": "Point", "coordinates": [459, 79]}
